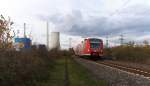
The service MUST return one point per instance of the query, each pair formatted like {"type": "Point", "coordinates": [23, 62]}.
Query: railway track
{"type": "Point", "coordinates": [116, 76]}
{"type": "Point", "coordinates": [129, 69]}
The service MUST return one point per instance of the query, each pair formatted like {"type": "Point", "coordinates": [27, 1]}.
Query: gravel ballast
{"type": "Point", "coordinates": [113, 76]}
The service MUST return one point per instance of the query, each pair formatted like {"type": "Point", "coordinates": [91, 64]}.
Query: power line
{"type": "Point", "coordinates": [122, 7]}
{"type": "Point", "coordinates": [121, 39]}
{"type": "Point", "coordinates": [116, 12]}
{"type": "Point", "coordinates": [70, 44]}
{"type": "Point", "coordinates": [107, 44]}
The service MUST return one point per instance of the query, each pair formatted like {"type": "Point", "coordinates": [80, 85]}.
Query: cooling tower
{"type": "Point", "coordinates": [54, 40]}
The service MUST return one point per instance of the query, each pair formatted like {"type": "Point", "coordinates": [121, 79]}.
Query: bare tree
{"type": "Point", "coordinates": [5, 29]}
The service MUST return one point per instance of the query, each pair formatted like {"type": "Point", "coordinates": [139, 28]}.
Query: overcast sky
{"type": "Point", "coordinates": [80, 18]}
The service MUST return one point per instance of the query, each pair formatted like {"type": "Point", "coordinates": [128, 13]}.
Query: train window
{"type": "Point", "coordinates": [95, 40]}
{"type": "Point", "coordinates": [95, 45]}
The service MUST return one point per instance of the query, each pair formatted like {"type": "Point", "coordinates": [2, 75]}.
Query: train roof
{"type": "Point", "coordinates": [93, 38]}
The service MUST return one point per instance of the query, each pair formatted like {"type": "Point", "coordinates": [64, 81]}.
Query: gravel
{"type": "Point", "coordinates": [113, 76]}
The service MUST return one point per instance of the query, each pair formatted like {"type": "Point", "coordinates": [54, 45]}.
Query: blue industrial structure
{"type": "Point", "coordinates": [24, 43]}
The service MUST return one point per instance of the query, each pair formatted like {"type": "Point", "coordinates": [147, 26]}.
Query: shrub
{"type": "Point", "coordinates": [130, 53]}
{"type": "Point", "coordinates": [24, 68]}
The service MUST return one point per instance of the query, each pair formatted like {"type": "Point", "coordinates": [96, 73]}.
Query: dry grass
{"type": "Point", "coordinates": [24, 68]}
{"type": "Point", "coordinates": [129, 53]}
{"type": "Point", "coordinates": [27, 68]}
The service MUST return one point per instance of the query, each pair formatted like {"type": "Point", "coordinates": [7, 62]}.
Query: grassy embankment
{"type": "Point", "coordinates": [77, 75]}
{"type": "Point", "coordinates": [132, 53]}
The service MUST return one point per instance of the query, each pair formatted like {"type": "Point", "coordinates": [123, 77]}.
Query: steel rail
{"type": "Point", "coordinates": [137, 71]}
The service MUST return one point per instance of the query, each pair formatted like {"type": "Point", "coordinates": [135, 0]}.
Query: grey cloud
{"type": "Point", "coordinates": [55, 18]}
{"type": "Point", "coordinates": [75, 24]}
{"type": "Point", "coordinates": [137, 9]}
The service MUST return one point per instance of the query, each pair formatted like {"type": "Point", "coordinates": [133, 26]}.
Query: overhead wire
{"type": "Point", "coordinates": [120, 8]}
{"type": "Point", "coordinates": [117, 11]}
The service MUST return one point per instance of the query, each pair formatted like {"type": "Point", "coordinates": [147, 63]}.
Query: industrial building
{"type": "Point", "coordinates": [54, 40]}
{"type": "Point", "coordinates": [22, 43]}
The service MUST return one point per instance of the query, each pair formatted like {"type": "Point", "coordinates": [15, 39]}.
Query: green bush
{"type": "Point", "coordinates": [129, 53]}
{"type": "Point", "coordinates": [24, 68]}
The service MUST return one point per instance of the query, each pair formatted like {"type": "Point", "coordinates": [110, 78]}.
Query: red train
{"type": "Point", "coordinates": [90, 47]}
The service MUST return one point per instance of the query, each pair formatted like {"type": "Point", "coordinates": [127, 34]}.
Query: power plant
{"type": "Point", "coordinates": [22, 42]}
{"type": "Point", "coordinates": [54, 40]}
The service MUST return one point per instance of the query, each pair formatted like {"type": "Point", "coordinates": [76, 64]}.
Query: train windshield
{"type": "Point", "coordinates": [95, 43]}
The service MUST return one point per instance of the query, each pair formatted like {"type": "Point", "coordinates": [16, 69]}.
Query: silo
{"type": "Point", "coordinates": [54, 40]}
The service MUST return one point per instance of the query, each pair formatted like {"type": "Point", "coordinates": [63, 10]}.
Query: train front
{"type": "Point", "coordinates": [96, 47]}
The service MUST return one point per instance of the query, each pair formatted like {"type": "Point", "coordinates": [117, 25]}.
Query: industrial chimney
{"type": "Point", "coordinates": [54, 40]}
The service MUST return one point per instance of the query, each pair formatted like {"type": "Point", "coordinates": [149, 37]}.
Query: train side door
{"type": "Point", "coordinates": [86, 46]}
